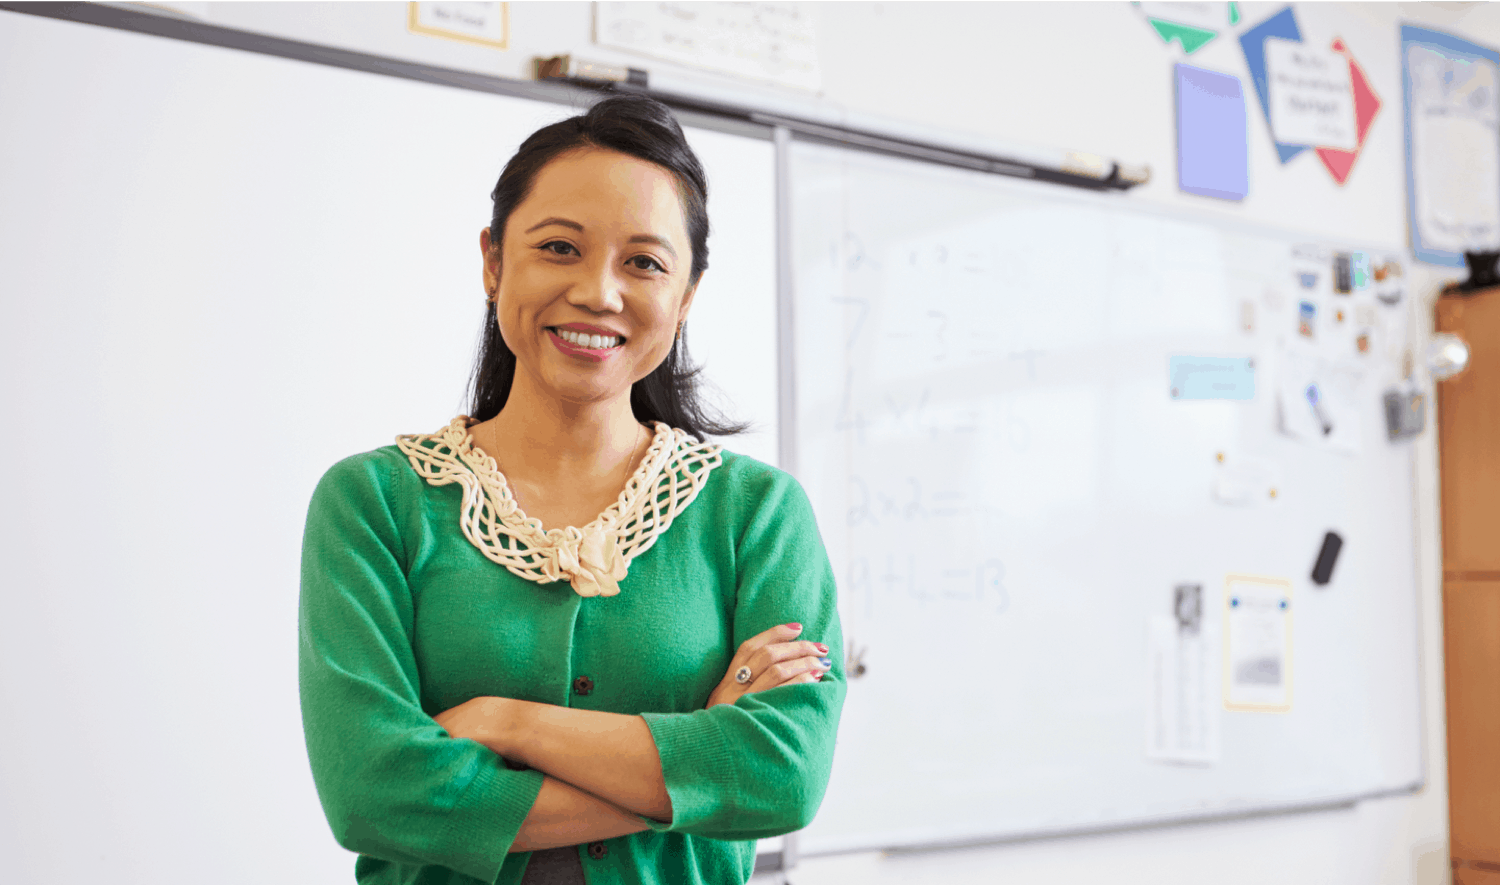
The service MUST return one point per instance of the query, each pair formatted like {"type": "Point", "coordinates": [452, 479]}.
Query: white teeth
{"type": "Point", "coordinates": [594, 342]}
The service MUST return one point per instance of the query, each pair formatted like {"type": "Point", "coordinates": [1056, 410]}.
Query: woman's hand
{"type": "Point", "coordinates": [774, 660]}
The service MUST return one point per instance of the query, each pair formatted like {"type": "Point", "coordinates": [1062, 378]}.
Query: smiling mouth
{"type": "Point", "coordinates": [592, 342]}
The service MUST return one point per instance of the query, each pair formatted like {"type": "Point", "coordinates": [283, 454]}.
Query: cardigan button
{"type": "Point", "coordinates": [597, 850]}
{"type": "Point", "coordinates": [583, 685]}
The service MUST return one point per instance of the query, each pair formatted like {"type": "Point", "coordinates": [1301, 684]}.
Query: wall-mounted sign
{"type": "Point", "coordinates": [1312, 100]}
{"type": "Point", "coordinates": [768, 41]}
{"type": "Point", "coordinates": [1311, 117]}
{"type": "Point", "coordinates": [1452, 145]}
{"type": "Point", "coordinates": [487, 24]}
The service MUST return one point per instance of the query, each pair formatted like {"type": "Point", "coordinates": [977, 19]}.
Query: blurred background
{"type": "Point", "coordinates": [971, 263]}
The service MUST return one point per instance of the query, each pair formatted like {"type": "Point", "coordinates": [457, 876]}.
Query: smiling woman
{"type": "Point", "coordinates": [564, 631]}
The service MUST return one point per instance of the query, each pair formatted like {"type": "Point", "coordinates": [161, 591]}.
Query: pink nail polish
{"type": "Point", "coordinates": [822, 649]}
{"type": "Point", "coordinates": [797, 627]}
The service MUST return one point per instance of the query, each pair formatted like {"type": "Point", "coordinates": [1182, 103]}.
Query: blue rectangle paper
{"type": "Point", "coordinates": [1212, 377]}
{"type": "Point", "coordinates": [1212, 157]}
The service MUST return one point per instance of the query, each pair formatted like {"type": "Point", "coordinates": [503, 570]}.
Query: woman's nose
{"type": "Point", "coordinates": [599, 289]}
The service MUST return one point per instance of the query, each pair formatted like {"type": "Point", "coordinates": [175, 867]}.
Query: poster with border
{"type": "Point", "coordinates": [1453, 49]}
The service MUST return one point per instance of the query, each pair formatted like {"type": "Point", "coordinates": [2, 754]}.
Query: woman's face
{"type": "Point", "coordinates": [592, 274]}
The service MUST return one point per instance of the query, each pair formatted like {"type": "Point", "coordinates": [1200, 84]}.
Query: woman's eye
{"type": "Point", "coordinates": [646, 262]}
{"type": "Point", "coordinates": [558, 247]}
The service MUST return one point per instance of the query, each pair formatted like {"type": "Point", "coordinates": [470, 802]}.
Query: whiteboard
{"type": "Point", "coordinates": [221, 272]}
{"type": "Point", "coordinates": [1009, 492]}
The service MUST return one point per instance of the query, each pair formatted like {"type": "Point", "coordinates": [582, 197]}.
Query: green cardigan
{"type": "Point", "coordinates": [401, 618]}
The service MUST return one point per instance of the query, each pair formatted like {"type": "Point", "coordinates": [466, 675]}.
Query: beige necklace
{"type": "Point", "coordinates": [595, 558]}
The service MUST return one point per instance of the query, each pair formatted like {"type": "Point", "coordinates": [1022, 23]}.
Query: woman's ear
{"type": "Point", "coordinates": [491, 253]}
{"type": "Point", "coordinates": [687, 302]}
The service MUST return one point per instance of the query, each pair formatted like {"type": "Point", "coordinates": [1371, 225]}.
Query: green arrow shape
{"type": "Point", "coordinates": [1192, 39]}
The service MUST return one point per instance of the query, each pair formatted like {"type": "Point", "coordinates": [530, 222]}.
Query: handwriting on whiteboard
{"type": "Point", "coordinates": [900, 579]}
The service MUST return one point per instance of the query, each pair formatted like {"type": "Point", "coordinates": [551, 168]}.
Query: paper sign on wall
{"type": "Point", "coordinates": [1259, 42]}
{"type": "Point", "coordinates": [772, 41]}
{"type": "Point", "coordinates": [1312, 98]}
{"type": "Point", "coordinates": [486, 24]}
{"type": "Point", "coordinates": [1453, 145]}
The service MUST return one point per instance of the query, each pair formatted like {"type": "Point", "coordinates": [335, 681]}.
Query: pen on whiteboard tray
{"type": "Point", "coordinates": [566, 67]}
{"type": "Point", "coordinates": [1316, 401]}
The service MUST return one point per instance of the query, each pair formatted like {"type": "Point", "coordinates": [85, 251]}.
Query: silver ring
{"type": "Point", "coordinates": [742, 675]}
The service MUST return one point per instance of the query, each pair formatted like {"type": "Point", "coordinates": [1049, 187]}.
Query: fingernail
{"type": "Point", "coordinates": [817, 676]}
{"type": "Point", "coordinates": [822, 649]}
{"type": "Point", "coordinates": [825, 662]}
{"type": "Point", "coordinates": [797, 627]}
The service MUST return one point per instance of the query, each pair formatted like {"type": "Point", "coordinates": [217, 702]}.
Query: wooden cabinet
{"type": "Point", "coordinates": [1475, 876]}
{"type": "Point", "coordinates": [1468, 423]}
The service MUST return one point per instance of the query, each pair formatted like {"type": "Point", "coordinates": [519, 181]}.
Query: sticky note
{"type": "Point", "coordinates": [1211, 377]}
{"type": "Point", "coordinates": [1212, 157]}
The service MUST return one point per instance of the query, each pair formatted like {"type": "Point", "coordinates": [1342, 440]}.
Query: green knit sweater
{"type": "Point", "coordinates": [401, 618]}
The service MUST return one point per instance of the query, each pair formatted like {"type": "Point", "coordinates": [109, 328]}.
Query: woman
{"type": "Point", "coordinates": [564, 639]}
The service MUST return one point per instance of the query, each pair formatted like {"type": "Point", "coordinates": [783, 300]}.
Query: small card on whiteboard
{"type": "Point", "coordinates": [1184, 722]}
{"type": "Point", "coordinates": [1257, 643]}
{"type": "Point", "coordinates": [1211, 377]}
{"type": "Point", "coordinates": [1311, 95]}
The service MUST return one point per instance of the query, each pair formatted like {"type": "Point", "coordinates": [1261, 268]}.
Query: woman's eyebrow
{"type": "Point", "coordinates": [654, 240]}
{"type": "Point", "coordinates": [562, 222]}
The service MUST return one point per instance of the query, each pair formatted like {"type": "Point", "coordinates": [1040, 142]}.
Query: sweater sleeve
{"type": "Point", "coordinates": [393, 783]}
{"type": "Point", "coordinates": [758, 768]}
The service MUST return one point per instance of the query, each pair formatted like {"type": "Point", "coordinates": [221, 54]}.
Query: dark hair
{"type": "Point", "coordinates": [643, 128]}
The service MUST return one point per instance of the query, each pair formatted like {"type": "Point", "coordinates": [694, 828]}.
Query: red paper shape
{"type": "Point", "coordinates": [1366, 104]}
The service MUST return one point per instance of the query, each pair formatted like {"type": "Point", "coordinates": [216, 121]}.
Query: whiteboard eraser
{"type": "Point", "coordinates": [1323, 570]}
{"type": "Point", "coordinates": [1135, 173]}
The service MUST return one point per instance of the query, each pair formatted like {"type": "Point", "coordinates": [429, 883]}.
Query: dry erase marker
{"type": "Point", "coordinates": [1316, 401]}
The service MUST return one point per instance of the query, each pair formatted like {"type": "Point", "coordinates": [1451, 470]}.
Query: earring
{"type": "Point", "coordinates": [679, 333]}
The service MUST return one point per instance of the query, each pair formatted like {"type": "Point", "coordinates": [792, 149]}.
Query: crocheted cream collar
{"type": "Point", "coordinates": [595, 558]}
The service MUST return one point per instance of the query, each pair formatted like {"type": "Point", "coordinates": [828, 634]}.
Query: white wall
{"type": "Point", "coordinates": [1088, 76]}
